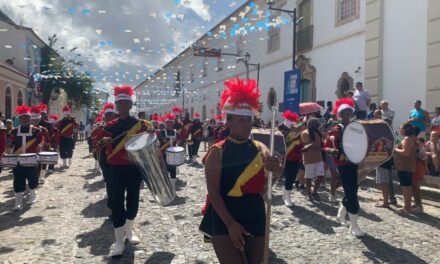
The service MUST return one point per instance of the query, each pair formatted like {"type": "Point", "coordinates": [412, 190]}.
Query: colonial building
{"type": "Point", "coordinates": [20, 56]}
{"type": "Point", "coordinates": [392, 46]}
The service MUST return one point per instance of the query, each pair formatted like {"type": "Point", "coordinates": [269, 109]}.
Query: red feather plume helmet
{"type": "Point", "coordinates": [109, 108]}
{"type": "Point", "coordinates": [345, 103]}
{"type": "Point", "coordinates": [154, 118]}
{"type": "Point", "coordinates": [99, 119]}
{"type": "Point", "coordinates": [23, 110]}
{"type": "Point", "coordinates": [35, 112]}
{"type": "Point", "coordinates": [161, 120]}
{"type": "Point", "coordinates": [43, 108]}
{"type": "Point", "coordinates": [220, 118]}
{"type": "Point", "coordinates": [170, 117]}
{"type": "Point", "coordinates": [53, 119]}
{"type": "Point", "coordinates": [240, 97]}
{"type": "Point", "coordinates": [196, 115]}
{"type": "Point", "coordinates": [177, 110]}
{"type": "Point", "coordinates": [291, 118]}
{"type": "Point", "coordinates": [123, 93]}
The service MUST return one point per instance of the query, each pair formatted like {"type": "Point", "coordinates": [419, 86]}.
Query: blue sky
{"type": "Point", "coordinates": [121, 41]}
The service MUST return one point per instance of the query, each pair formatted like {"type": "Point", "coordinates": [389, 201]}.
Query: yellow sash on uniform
{"type": "Point", "coordinates": [133, 131]}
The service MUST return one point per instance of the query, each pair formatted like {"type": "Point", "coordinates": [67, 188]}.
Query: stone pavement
{"type": "Point", "coordinates": [69, 225]}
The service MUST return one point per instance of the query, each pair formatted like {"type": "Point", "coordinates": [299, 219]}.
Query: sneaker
{"type": "Point", "coordinates": [417, 209]}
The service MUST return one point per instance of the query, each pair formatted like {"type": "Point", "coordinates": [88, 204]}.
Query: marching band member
{"type": "Point", "coordinates": [348, 171]}
{"type": "Point", "coordinates": [124, 178]}
{"type": "Point", "coordinates": [161, 123]}
{"type": "Point", "coordinates": [95, 132]}
{"type": "Point", "coordinates": [293, 156]}
{"type": "Point", "coordinates": [26, 138]}
{"type": "Point", "coordinates": [44, 122]}
{"type": "Point", "coordinates": [54, 140]}
{"type": "Point", "coordinates": [167, 138]}
{"type": "Point", "coordinates": [155, 121]}
{"type": "Point", "coordinates": [178, 126]}
{"type": "Point", "coordinates": [196, 133]}
{"type": "Point", "coordinates": [221, 132]}
{"type": "Point", "coordinates": [234, 216]}
{"type": "Point", "coordinates": [2, 144]}
{"type": "Point", "coordinates": [67, 144]}
{"type": "Point", "coordinates": [187, 124]}
{"type": "Point", "coordinates": [35, 121]}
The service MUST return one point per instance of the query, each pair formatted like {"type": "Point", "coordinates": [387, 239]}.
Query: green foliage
{"type": "Point", "coordinates": [61, 74]}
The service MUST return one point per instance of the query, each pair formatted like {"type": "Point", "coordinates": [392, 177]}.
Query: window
{"type": "Point", "coordinates": [219, 64]}
{"type": "Point", "coordinates": [205, 68]}
{"type": "Point", "coordinates": [273, 43]}
{"type": "Point", "coordinates": [8, 103]}
{"type": "Point", "coordinates": [346, 11]}
{"type": "Point", "coordinates": [305, 91]}
{"type": "Point", "coordinates": [20, 98]}
{"type": "Point", "coordinates": [191, 73]}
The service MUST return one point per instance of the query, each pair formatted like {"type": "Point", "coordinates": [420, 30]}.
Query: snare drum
{"type": "Point", "coordinates": [47, 157]}
{"type": "Point", "coordinates": [9, 160]}
{"type": "Point", "coordinates": [175, 156]}
{"type": "Point", "coordinates": [27, 160]}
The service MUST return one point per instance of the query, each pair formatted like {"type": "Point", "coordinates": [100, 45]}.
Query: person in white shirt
{"type": "Point", "coordinates": [387, 113]}
{"type": "Point", "coordinates": [362, 99]}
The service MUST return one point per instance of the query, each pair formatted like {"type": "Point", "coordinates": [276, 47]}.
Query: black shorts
{"type": "Point", "coordinates": [405, 178]}
{"type": "Point", "coordinates": [248, 211]}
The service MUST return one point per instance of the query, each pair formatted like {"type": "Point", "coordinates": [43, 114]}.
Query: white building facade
{"type": "Point", "coordinates": [392, 46]}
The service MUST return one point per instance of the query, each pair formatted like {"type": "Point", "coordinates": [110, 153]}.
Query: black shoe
{"type": "Point", "coordinates": [297, 184]}
{"type": "Point", "coordinates": [302, 187]}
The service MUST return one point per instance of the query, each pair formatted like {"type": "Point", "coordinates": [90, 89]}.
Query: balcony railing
{"type": "Point", "coordinates": [305, 39]}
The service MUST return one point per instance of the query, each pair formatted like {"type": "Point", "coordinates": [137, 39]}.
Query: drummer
{"type": "Point", "coordinates": [178, 125]}
{"type": "Point", "coordinates": [26, 138]}
{"type": "Point", "coordinates": [196, 134]}
{"type": "Point", "coordinates": [94, 138]}
{"type": "Point", "coordinates": [67, 144]}
{"type": "Point", "coordinates": [35, 121]}
{"type": "Point", "coordinates": [234, 216]}
{"type": "Point", "coordinates": [348, 171]}
{"type": "Point", "coordinates": [293, 157]}
{"type": "Point", "coordinates": [168, 138]}
{"type": "Point", "coordinates": [124, 178]}
{"type": "Point", "coordinates": [44, 122]}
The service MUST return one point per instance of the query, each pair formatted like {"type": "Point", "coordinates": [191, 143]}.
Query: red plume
{"type": "Point", "coordinates": [22, 109]}
{"type": "Point", "coordinates": [36, 109]}
{"type": "Point", "coordinates": [43, 107]}
{"type": "Point", "coordinates": [123, 89]}
{"type": "Point", "coordinates": [343, 101]}
{"type": "Point", "coordinates": [54, 117]}
{"type": "Point", "coordinates": [155, 118]}
{"type": "Point", "coordinates": [170, 117]}
{"type": "Point", "coordinates": [66, 109]}
{"type": "Point", "coordinates": [177, 110]}
{"type": "Point", "coordinates": [291, 116]}
{"type": "Point", "coordinates": [108, 105]}
{"type": "Point", "coordinates": [240, 92]}
{"type": "Point", "coordinates": [98, 119]}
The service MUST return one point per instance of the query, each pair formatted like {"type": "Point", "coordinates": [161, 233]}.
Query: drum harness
{"type": "Point", "coordinates": [23, 137]}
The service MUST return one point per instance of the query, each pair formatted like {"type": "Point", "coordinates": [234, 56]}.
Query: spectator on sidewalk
{"type": "Point", "coordinates": [419, 174]}
{"type": "Point", "coordinates": [433, 152]}
{"type": "Point", "coordinates": [373, 108]}
{"type": "Point", "coordinates": [435, 123]}
{"type": "Point", "coordinates": [419, 118]}
{"type": "Point", "coordinates": [82, 130]}
{"type": "Point", "coordinates": [362, 99]}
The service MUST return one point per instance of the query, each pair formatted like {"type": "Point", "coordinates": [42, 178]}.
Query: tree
{"type": "Point", "coordinates": [61, 74]}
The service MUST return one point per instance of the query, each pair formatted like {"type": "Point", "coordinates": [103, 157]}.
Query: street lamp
{"type": "Point", "coordinates": [292, 14]}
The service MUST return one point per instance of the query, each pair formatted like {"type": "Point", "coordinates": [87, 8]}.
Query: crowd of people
{"type": "Point", "coordinates": [234, 215]}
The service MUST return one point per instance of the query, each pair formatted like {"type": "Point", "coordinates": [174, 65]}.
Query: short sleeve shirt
{"type": "Point", "coordinates": [361, 97]}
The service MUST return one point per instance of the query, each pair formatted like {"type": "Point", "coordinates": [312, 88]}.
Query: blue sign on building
{"type": "Point", "coordinates": [291, 90]}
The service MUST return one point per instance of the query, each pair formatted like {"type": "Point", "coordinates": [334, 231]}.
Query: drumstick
{"type": "Point", "coordinates": [269, 192]}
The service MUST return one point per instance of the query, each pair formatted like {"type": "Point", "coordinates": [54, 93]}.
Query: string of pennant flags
{"type": "Point", "coordinates": [252, 18]}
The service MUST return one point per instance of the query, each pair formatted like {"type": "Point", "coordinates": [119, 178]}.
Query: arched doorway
{"type": "Point", "coordinates": [8, 103]}
{"type": "Point", "coordinates": [20, 98]}
{"type": "Point", "coordinates": [305, 91]}
{"type": "Point", "coordinates": [344, 84]}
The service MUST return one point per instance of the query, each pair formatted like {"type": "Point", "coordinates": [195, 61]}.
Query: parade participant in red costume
{"type": "Point", "coordinates": [124, 178]}
{"type": "Point", "coordinates": [54, 140]}
{"type": "Point", "coordinates": [293, 157]}
{"type": "Point", "coordinates": [234, 216]}
{"type": "Point", "coordinates": [67, 144]}
{"type": "Point", "coordinates": [178, 125]}
{"type": "Point", "coordinates": [44, 122]}
{"type": "Point", "coordinates": [35, 121]}
{"type": "Point", "coordinates": [196, 134]}
{"type": "Point", "coordinates": [168, 138]}
{"type": "Point", "coordinates": [221, 132]}
{"type": "Point", "coordinates": [155, 121]}
{"type": "Point", "coordinates": [348, 171]}
{"type": "Point", "coordinates": [26, 138]}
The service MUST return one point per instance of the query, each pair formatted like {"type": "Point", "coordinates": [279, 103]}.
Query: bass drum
{"type": "Point", "coordinates": [368, 143]}
{"type": "Point", "coordinates": [143, 150]}
{"type": "Point", "coordinates": [263, 135]}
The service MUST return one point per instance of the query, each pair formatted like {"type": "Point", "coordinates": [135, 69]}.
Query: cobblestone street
{"type": "Point", "coordinates": [69, 224]}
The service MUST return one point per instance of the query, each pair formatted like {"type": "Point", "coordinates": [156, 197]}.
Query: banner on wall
{"type": "Point", "coordinates": [292, 80]}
